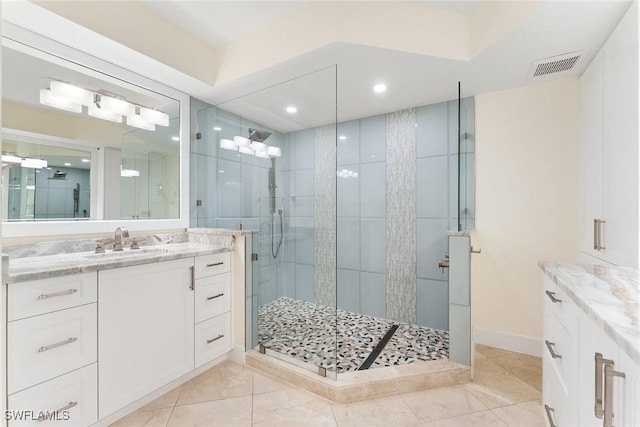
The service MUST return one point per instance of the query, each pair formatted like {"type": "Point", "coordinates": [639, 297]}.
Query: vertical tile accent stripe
{"type": "Point", "coordinates": [325, 215]}
{"type": "Point", "coordinates": [401, 216]}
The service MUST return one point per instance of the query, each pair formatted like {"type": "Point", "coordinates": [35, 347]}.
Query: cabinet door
{"type": "Point", "coordinates": [591, 152]}
{"type": "Point", "coordinates": [145, 330]}
{"type": "Point", "coordinates": [592, 340]}
{"type": "Point", "coordinates": [620, 233]}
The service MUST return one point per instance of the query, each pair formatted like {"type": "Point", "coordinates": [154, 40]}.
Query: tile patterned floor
{"type": "Point", "coordinates": [505, 392]}
{"type": "Point", "coordinates": [307, 332]}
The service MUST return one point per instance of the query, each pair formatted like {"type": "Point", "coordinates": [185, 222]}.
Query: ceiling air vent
{"type": "Point", "coordinates": [555, 64]}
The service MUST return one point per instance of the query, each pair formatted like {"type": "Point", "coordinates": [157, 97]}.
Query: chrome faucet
{"type": "Point", "coordinates": [117, 240]}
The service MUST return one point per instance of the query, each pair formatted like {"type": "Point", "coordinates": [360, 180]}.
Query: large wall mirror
{"type": "Point", "coordinates": [83, 146]}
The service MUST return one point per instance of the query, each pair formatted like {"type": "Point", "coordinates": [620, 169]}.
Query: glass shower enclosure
{"type": "Point", "coordinates": [351, 217]}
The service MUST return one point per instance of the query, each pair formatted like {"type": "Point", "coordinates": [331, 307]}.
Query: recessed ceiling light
{"type": "Point", "coordinates": [220, 171]}
{"type": "Point", "coordinates": [380, 88]}
{"type": "Point", "coordinates": [216, 128]}
{"type": "Point", "coordinates": [373, 156]}
{"type": "Point", "coordinates": [291, 109]}
{"type": "Point", "coordinates": [175, 138]}
{"type": "Point", "coordinates": [342, 137]}
{"type": "Point", "coordinates": [86, 161]}
{"type": "Point", "coordinates": [67, 164]}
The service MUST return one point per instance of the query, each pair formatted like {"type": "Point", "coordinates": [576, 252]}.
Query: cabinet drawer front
{"type": "Point", "coordinates": [559, 353]}
{"type": "Point", "coordinates": [208, 265]}
{"type": "Point", "coordinates": [42, 347]}
{"type": "Point", "coordinates": [47, 295]}
{"type": "Point", "coordinates": [212, 296]}
{"type": "Point", "coordinates": [559, 303]}
{"type": "Point", "coordinates": [213, 338]}
{"type": "Point", "coordinates": [555, 403]}
{"type": "Point", "coordinates": [74, 396]}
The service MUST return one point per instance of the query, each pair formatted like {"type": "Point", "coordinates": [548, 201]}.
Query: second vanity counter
{"type": "Point", "coordinates": [27, 265]}
{"type": "Point", "coordinates": [610, 296]}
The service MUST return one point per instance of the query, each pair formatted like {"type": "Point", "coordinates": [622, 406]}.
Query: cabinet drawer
{"type": "Point", "coordinates": [559, 303]}
{"type": "Point", "coordinates": [213, 338]}
{"type": "Point", "coordinates": [47, 295]}
{"type": "Point", "coordinates": [74, 396]}
{"type": "Point", "coordinates": [212, 296]}
{"type": "Point", "coordinates": [555, 403]}
{"type": "Point", "coordinates": [208, 265]}
{"type": "Point", "coordinates": [42, 347]}
{"type": "Point", "coordinates": [559, 352]}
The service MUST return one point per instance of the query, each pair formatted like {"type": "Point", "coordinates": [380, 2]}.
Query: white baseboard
{"type": "Point", "coordinates": [237, 355]}
{"type": "Point", "coordinates": [507, 341]}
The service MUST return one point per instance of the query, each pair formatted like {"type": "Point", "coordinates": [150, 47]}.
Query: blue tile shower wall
{"type": "Point", "coordinates": [361, 218]}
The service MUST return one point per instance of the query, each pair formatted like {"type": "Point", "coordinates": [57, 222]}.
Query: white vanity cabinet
{"type": "Point", "coordinates": [576, 353]}
{"type": "Point", "coordinates": [609, 148]}
{"type": "Point", "coordinates": [95, 346]}
{"type": "Point", "coordinates": [52, 350]}
{"type": "Point", "coordinates": [212, 306]}
{"type": "Point", "coordinates": [559, 357]}
{"type": "Point", "coordinates": [145, 330]}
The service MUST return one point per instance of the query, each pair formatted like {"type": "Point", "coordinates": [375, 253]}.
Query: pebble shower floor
{"type": "Point", "coordinates": [307, 332]}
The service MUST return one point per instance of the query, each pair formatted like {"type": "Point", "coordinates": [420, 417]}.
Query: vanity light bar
{"type": "Point", "coordinates": [129, 173]}
{"type": "Point", "coordinates": [154, 116]}
{"type": "Point", "coordinates": [137, 122]}
{"type": "Point", "coordinates": [107, 107]}
{"type": "Point", "coordinates": [25, 162]}
{"type": "Point", "coordinates": [47, 98]}
{"type": "Point", "coordinates": [71, 93]}
{"type": "Point", "coordinates": [96, 111]}
{"type": "Point", "coordinates": [228, 144]}
{"type": "Point", "coordinates": [246, 146]}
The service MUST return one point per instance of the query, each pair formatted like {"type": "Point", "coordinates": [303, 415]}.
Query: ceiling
{"type": "Point", "coordinates": [554, 28]}
{"type": "Point", "coordinates": [413, 79]}
{"type": "Point", "coordinates": [333, 78]}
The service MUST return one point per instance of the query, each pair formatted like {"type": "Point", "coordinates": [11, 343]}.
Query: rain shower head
{"type": "Point", "coordinates": [258, 135]}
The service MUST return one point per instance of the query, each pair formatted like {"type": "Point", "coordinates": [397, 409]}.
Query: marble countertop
{"type": "Point", "coordinates": [29, 261]}
{"type": "Point", "coordinates": [608, 295]}
{"type": "Point", "coordinates": [42, 267]}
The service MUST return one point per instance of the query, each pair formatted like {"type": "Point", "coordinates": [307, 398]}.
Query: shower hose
{"type": "Point", "coordinates": [277, 249]}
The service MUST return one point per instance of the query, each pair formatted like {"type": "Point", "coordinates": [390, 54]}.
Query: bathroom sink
{"type": "Point", "coordinates": [130, 253]}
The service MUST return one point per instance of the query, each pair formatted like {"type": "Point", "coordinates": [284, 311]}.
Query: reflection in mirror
{"type": "Point", "coordinates": [133, 133]}
{"type": "Point", "coordinates": [59, 190]}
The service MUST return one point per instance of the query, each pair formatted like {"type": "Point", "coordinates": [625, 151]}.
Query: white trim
{"type": "Point", "coordinates": [507, 341]}
{"type": "Point", "coordinates": [31, 28]}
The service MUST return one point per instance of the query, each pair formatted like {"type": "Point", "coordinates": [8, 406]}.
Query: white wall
{"type": "Point", "coordinates": [526, 202]}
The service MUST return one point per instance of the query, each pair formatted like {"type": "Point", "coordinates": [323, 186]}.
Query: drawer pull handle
{"type": "Point", "coordinates": [192, 272]}
{"type": "Point", "coordinates": [552, 296]}
{"type": "Point", "coordinates": [66, 407]}
{"type": "Point", "coordinates": [215, 264]}
{"type": "Point", "coordinates": [214, 297]}
{"type": "Point", "coordinates": [56, 345]}
{"type": "Point", "coordinates": [219, 337]}
{"type": "Point", "coordinates": [548, 409]}
{"type": "Point", "coordinates": [58, 294]}
{"type": "Point", "coordinates": [609, 373]}
{"type": "Point", "coordinates": [552, 351]}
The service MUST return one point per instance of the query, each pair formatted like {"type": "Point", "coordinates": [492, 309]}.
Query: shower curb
{"type": "Point", "coordinates": [367, 384]}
